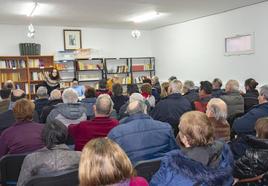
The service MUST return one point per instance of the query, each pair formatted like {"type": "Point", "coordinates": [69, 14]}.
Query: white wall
{"type": "Point", "coordinates": [195, 50]}
{"type": "Point", "coordinates": [108, 42]}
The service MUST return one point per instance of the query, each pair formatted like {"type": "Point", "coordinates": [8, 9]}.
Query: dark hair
{"type": "Point", "coordinates": [16, 98]}
{"type": "Point", "coordinates": [5, 93]}
{"type": "Point", "coordinates": [54, 133]}
{"type": "Point", "coordinates": [117, 89]}
{"type": "Point", "coordinates": [57, 76]}
{"type": "Point", "coordinates": [251, 83]}
{"type": "Point", "coordinates": [132, 88]}
{"type": "Point", "coordinates": [102, 84]}
{"type": "Point", "coordinates": [146, 88]}
{"type": "Point", "coordinates": [206, 86]}
{"type": "Point", "coordinates": [147, 80]}
{"type": "Point", "coordinates": [9, 85]}
{"type": "Point", "coordinates": [74, 79]}
{"type": "Point", "coordinates": [172, 78]}
{"type": "Point", "coordinates": [218, 81]}
{"type": "Point", "coordinates": [90, 92]}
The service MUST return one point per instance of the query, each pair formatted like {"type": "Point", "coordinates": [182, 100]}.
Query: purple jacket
{"type": "Point", "coordinates": [21, 137]}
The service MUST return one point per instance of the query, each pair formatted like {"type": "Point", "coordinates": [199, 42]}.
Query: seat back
{"type": "Point", "coordinates": [61, 178]}
{"type": "Point", "coordinates": [147, 168]}
{"type": "Point", "coordinates": [10, 166]}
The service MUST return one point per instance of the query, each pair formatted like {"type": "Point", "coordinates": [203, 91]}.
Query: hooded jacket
{"type": "Point", "coordinates": [206, 166]}
{"type": "Point", "coordinates": [68, 113]}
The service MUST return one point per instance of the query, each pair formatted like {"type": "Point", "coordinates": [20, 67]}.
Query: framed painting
{"type": "Point", "coordinates": [72, 39]}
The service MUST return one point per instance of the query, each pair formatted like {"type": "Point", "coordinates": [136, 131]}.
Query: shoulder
{"type": "Point", "coordinates": [138, 181]}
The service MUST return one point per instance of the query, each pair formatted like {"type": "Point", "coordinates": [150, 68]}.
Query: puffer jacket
{"type": "Point", "coordinates": [68, 113]}
{"type": "Point", "coordinates": [234, 102]}
{"type": "Point", "coordinates": [254, 162]}
{"type": "Point", "coordinates": [250, 99]}
{"type": "Point", "coordinates": [205, 166]}
{"type": "Point", "coordinates": [89, 102]}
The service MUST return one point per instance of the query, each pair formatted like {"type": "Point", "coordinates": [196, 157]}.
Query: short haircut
{"type": "Point", "coordinates": [41, 92]}
{"type": "Point", "coordinates": [23, 110]}
{"type": "Point", "coordinates": [206, 86]}
{"type": "Point", "coordinates": [136, 107]}
{"type": "Point", "coordinates": [54, 133]}
{"type": "Point", "coordinates": [104, 104]}
{"type": "Point", "coordinates": [251, 83]}
{"type": "Point", "coordinates": [117, 89]}
{"type": "Point", "coordinates": [146, 88]}
{"type": "Point", "coordinates": [264, 91]}
{"type": "Point", "coordinates": [102, 84]}
{"type": "Point", "coordinates": [155, 79]}
{"type": "Point", "coordinates": [188, 85]}
{"type": "Point", "coordinates": [103, 162]}
{"type": "Point", "coordinates": [132, 88]}
{"type": "Point", "coordinates": [232, 85]}
{"type": "Point", "coordinates": [175, 86]}
{"type": "Point", "coordinates": [147, 80]}
{"type": "Point", "coordinates": [136, 97]}
{"type": "Point", "coordinates": [17, 95]}
{"type": "Point", "coordinates": [9, 85]}
{"type": "Point", "coordinates": [55, 94]}
{"type": "Point", "coordinates": [5, 93]}
{"type": "Point", "coordinates": [197, 128]}
{"type": "Point", "coordinates": [218, 81]}
{"type": "Point", "coordinates": [69, 95]}
{"type": "Point", "coordinates": [164, 89]}
{"type": "Point", "coordinates": [172, 78]}
{"type": "Point", "coordinates": [90, 92]}
{"type": "Point", "coordinates": [219, 108]}
{"type": "Point", "coordinates": [261, 128]}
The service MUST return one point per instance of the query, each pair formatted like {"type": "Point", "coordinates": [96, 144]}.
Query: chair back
{"type": "Point", "coordinates": [61, 178]}
{"type": "Point", "coordinates": [148, 168]}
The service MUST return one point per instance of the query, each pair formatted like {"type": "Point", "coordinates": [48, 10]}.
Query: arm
{"type": "Point", "coordinates": [3, 147]}
{"type": "Point", "coordinates": [26, 171]}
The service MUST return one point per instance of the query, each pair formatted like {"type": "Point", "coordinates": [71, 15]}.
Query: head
{"type": "Point", "coordinates": [263, 96]}
{"type": "Point", "coordinates": [9, 85]}
{"type": "Point", "coordinates": [136, 107]}
{"type": "Point", "coordinates": [164, 89]}
{"type": "Point", "coordinates": [102, 84]}
{"type": "Point", "coordinates": [195, 130]}
{"type": "Point", "coordinates": [132, 88]}
{"type": "Point", "coordinates": [217, 109]}
{"type": "Point", "coordinates": [146, 88]}
{"type": "Point", "coordinates": [216, 83]}
{"type": "Point", "coordinates": [155, 80]}
{"type": "Point", "coordinates": [69, 95]}
{"type": "Point", "coordinates": [90, 92]}
{"type": "Point", "coordinates": [104, 105]}
{"type": "Point", "coordinates": [232, 86]}
{"type": "Point", "coordinates": [23, 110]}
{"type": "Point", "coordinates": [103, 162]}
{"type": "Point", "coordinates": [55, 94]}
{"type": "Point", "coordinates": [172, 78]}
{"type": "Point", "coordinates": [75, 82]}
{"type": "Point", "coordinates": [136, 97]}
{"type": "Point", "coordinates": [5, 93]}
{"type": "Point", "coordinates": [205, 88]}
{"type": "Point", "coordinates": [187, 86]}
{"type": "Point", "coordinates": [54, 74]}
{"type": "Point", "coordinates": [147, 80]}
{"type": "Point", "coordinates": [117, 89]}
{"type": "Point", "coordinates": [175, 86]}
{"type": "Point", "coordinates": [250, 84]}
{"type": "Point", "coordinates": [261, 128]}
{"type": "Point", "coordinates": [42, 92]}
{"type": "Point", "coordinates": [17, 95]}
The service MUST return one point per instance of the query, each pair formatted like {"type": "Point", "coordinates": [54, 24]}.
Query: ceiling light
{"type": "Point", "coordinates": [136, 34]}
{"type": "Point", "coordinates": [31, 31]}
{"type": "Point", "coordinates": [32, 9]}
{"type": "Point", "coordinates": [146, 17]}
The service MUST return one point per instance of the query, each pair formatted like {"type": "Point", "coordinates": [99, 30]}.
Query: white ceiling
{"type": "Point", "coordinates": [114, 13]}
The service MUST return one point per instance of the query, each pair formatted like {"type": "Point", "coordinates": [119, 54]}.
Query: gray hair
{"type": "Point", "coordinates": [55, 94]}
{"type": "Point", "coordinates": [69, 95]}
{"type": "Point", "coordinates": [175, 86]}
{"type": "Point", "coordinates": [233, 85]}
{"type": "Point", "coordinates": [104, 104]}
{"type": "Point", "coordinates": [136, 107]}
{"type": "Point", "coordinates": [41, 92]}
{"type": "Point", "coordinates": [264, 91]}
{"type": "Point", "coordinates": [136, 97]}
{"type": "Point", "coordinates": [188, 85]}
{"type": "Point", "coordinates": [219, 108]}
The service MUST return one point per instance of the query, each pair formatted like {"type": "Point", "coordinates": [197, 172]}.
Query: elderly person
{"type": "Point", "coordinates": [16, 95]}
{"type": "Point", "coordinates": [118, 98]}
{"type": "Point", "coordinates": [216, 85]}
{"type": "Point", "coordinates": [189, 91]}
{"type": "Point", "coordinates": [141, 137]}
{"type": "Point", "coordinates": [170, 109]}
{"type": "Point", "coordinates": [70, 111]}
{"type": "Point", "coordinates": [201, 160]}
{"type": "Point", "coordinates": [233, 99]}
{"type": "Point", "coordinates": [217, 114]}
{"type": "Point", "coordinates": [42, 100]}
{"type": "Point", "coordinates": [55, 156]}
{"type": "Point", "coordinates": [24, 135]}
{"type": "Point", "coordinates": [99, 126]}
{"type": "Point", "coordinates": [246, 123]}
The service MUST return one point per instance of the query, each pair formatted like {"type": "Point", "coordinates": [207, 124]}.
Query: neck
{"type": "Point", "coordinates": [101, 115]}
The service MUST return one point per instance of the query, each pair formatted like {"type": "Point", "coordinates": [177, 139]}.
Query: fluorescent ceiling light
{"type": "Point", "coordinates": [32, 9]}
{"type": "Point", "coordinates": [146, 17]}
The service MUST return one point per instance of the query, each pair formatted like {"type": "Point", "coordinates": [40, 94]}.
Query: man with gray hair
{"type": "Point", "coordinates": [217, 114]}
{"type": "Point", "coordinates": [42, 100]}
{"type": "Point", "coordinates": [99, 126]}
{"type": "Point", "coordinates": [189, 91]}
{"type": "Point", "coordinates": [246, 123]}
{"type": "Point", "coordinates": [141, 137]}
{"type": "Point", "coordinates": [70, 111]}
{"type": "Point", "coordinates": [172, 107]}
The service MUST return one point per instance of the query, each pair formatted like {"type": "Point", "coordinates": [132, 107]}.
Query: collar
{"type": "Point", "coordinates": [23, 122]}
{"type": "Point", "coordinates": [136, 117]}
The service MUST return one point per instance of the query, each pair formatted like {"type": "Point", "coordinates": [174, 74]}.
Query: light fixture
{"type": "Point", "coordinates": [146, 17]}
{"type": "Point", "coordinates": [32, 9]}
{"type": "Point", "coordinates": [136, 34]}
{"type": "Point", "coordinates": [31, 31]}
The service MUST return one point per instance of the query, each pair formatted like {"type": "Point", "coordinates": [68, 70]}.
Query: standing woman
{"type": "Point", "coordinates": [52, 80]}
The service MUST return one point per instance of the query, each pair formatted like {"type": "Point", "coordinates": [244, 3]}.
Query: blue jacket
{"type": "Point", "coordinates": [170, 110]}
{"type": "Point", "coordinates": [143, 138]}
{"type": "Point", "coordinates": [246, 123]}
{"type": "Point", "coordinates": [178, 169]}
{"type": "Point", "coordinates": [89, 102]}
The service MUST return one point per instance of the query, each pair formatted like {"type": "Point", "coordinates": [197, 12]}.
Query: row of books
{"type": "Point", "coordinates": [12, 64]}
{"type": "Point", "coordinates": [38, 76]}
{"type": "Point", "coordinates": [11, 76]}
{"type": "Point", "coordinates": [142, 67]}
{"type": "Point", "coordinates": [118, 69]}
{"type": "Point", "coordinates": [65, 66]}
{"type": "Point", "coordinates": [85, 65]}
{"type": "Point", "coordinates": [139, 79]}
{"type": "Point", "coordinates": [126, 80]}
{"type": "Point", "coordinates": [35, 63]}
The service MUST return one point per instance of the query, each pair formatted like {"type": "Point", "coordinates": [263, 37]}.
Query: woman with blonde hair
{"type": "Point", "coordinates": [164, 89]}
{"type": "Point", "coordinates": [103, 162]}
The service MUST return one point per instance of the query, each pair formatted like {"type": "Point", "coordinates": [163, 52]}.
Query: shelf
{"type": "Point", "coordinates": [91, 80]}
{"type": "Point", "coordinates": [40, 68]}
{"type": "Point", "coordinates": [17, 82]}
{"type": "Point", "coordinates": [143, 71]}
{"type": "Point", "coordinates": [118, 72]}
{"type": "Point", "coordinates": [13, 69]}
{"type": "Point", "coordinates": [67, 70]}
{"type": "Point", "coordinates": [90, 70]}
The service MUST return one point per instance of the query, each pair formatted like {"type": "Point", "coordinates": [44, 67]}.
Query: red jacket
{"type": "Point", "coordinates": [87, 130]}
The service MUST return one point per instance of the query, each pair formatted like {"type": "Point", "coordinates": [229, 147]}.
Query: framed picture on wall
{"type": "Point", "coordinates": [72, 39]}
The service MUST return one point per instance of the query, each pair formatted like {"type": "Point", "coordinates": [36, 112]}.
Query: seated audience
{"type": "Point", "coordinates": [233, 99]}
{"type": "Point", "coordinates": [246, 123]}
{"type": "Point", "coordinates": [100, 126]}
{"type": "Point", "coordinates": [216, 88]}
{"type": "Point", "coordinates": [70, 111]}
{"type": "Point", "coordinates": [55, 156]}
{"type": "Point", "coordinates": [16, 94]}
{"type": "Point", "coordinates": [156, 84]}
{"type": "Point", "coordinates": [171, 78]}
{"type": "Point", "coordinates": [146, 92]}
{"type": "Point", "coordinates": [201, 160]}
{"type": "Point", "coordinates": [254, 163]}
{"type": "Point", "coordinates": [164, 90]}
{"type": "Point", "coordinates": [141, 137]}
{"type": "Point", "coordinates": [5, 99]}
{"type": "Point", "coordinates": [103, 88]}
{"type": "Point", "coordinates": [78, 88]}
{"type": "Point", "coordinates": [205, 91]}
{"type": "Point", "coordinates": [217, 114]}
{"type": "Point", "coordinates": [9, 84]}
{"type": "Point", "coordinates": [103, 162]}
{"type": "Point", "coordinates": [89, 100]}
{"type": "Point", "coordinates": [118, 98]}
{"type": "Point", "coordinates": [189, 91]}
{"type": "Point", "coordinates": [172, 107]}
{"type": "Point", "coordinates": [54, 99]}
{"type": "Point", "coordinates": [25, 135]}
{"type": "Point", "coordinates": [42, 100]}
{"type": "Point", "coordinates": [251, 96]}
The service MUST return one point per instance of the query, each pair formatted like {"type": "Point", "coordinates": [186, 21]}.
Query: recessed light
{"type": "Point", "coordinates": [146, 17]}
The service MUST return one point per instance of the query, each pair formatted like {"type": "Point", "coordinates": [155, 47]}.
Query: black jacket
{"type": "Point", "coordinates": [119, 101]}
{"type": "Point", "coordinates": [40, 104]}
{"type": "Point", "coordinates": [254, 162]}
{"type": "Point", "coordinates": [192, 96]}
{"type": "Point", "coordinates": [48, 108]}
{"type": "Point", "coordinates": [250, 99]}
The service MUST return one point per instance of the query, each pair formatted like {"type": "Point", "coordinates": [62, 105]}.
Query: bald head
{"type": "Point", "coordinates": [136, 107]}
{"type": "Point", "coordinates": [17, 95]}
{"type": "Point", "coordinates": [104, 105]}
{"type": "Point", "coordinates": [217, 108]}
{"type": "Point", "coordinates": [55, 94]}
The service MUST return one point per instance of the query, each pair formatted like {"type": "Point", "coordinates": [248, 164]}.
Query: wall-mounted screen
{"type": "Point", "coordinates": [240, 44]}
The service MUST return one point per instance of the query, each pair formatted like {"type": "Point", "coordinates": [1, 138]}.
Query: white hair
{"type": "Point", "coordinates": [55, 94]}
{"type": "Point", "coordinates": [264, 91]}
{"type": "Point", "coordinates": [219, 108]}
{"type": "Point", "coordinates": [136, 97]}
{"type": "Point", "coordinates": [69, 95]}
{"type": "Point", "coordinates": [104, 104]}
{"type": "Point", "coordinates": [41, 92]}
{"type": "Point", "coordinates": [175, 86]}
